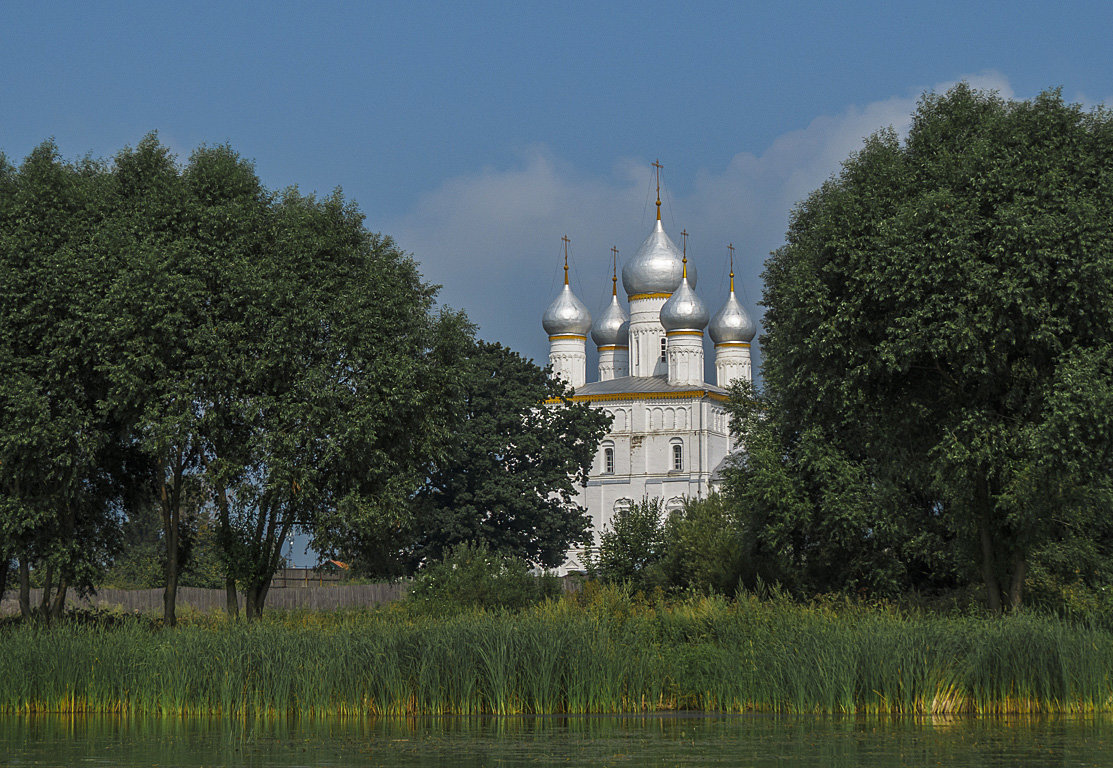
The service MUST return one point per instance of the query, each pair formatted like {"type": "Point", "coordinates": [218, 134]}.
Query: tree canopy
{"type": "Point", "coordinates": [937, 357]}
{"type": "Point", "coordinates": [177, 339]}
{"type": "Point", "coordinates": [507, 479]}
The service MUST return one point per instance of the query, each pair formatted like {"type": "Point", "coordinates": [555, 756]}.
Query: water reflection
{"type": "Point", "coordinates": [756, 740]}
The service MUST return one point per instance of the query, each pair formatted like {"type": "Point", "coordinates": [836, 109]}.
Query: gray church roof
{"type": "Point", "coordinates": [643, 386]}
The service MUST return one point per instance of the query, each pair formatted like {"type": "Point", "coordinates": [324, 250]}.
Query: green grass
{"type": "Point", "coordinates": [603, 652]}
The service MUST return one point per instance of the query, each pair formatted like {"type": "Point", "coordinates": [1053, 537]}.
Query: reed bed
{"type": "Point", "coordinates": [605, 656]}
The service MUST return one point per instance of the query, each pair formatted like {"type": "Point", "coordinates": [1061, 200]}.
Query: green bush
{"type": "Point", "coordinates": [704, 547]}
{"type": "Point", "coordinates": [473, 576]}
{"type": "Point", "coordinates": [631, 547]}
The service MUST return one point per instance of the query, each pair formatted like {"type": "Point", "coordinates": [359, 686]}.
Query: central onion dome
{"type": "Point", "coordinates": [732, 322]}
{"type": "Point", "coordinates": [656, 267]}
{"type": "Point", "coordinates": [684, 311]}
{"type": "Point", "coordinates": [567, 315]}
{"type": "Point", "coordinates": [613, 327]}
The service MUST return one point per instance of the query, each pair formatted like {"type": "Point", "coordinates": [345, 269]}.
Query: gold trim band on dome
{"type": "Point", "coordinates": [612, 347]}
{"type": "Point", "coordinates": [639, 296]}
{"type": "Point", "coordinates": [693, 393]}
{"type": "Point", "coordinates": [683, 333]}
{"type": "Point", "coordinates": [745, 344]}
{"type": "Point", "coordinates": [568, 336]}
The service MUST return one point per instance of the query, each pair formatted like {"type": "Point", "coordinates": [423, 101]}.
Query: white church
{"type": "Point", "coordinates": [670, 433]}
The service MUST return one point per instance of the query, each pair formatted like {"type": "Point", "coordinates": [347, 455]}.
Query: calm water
{"type": "Point", "coordinates": [559, 741]}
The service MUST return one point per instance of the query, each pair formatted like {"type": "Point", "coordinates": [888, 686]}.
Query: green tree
{"type": "Point", "coordinates": [187, 241]}
{"type": "Point", "coordinates": [704, 547]}
{"type": "Point", "coordinates": [59, 466]}
{"type": "Point", "coordinates": [180, 339]}
{"type": "Point", "coordinates": [341, 388]}
{"type": "Point", "coordinates": [632, 547]}
{"type": "Point", "coordinates": [939, 328]}
{"type": "Point", "coordinates": [506, 476]}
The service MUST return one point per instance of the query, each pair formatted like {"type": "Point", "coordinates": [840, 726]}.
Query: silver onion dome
{"type": "Point", "coordinates": [566, 315]}
{"type": "Point", "coordinates": [732, 323]}
{"type": "Point", "coordinates": [613, 326]}
{"type": "Point", "coordinates": [656, 267]}
{"type": "Point", "coordinates": [684, 311]}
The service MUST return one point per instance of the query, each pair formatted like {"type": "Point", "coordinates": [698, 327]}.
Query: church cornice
{"type": "Point", "coordinates": [690, 394]}
{"type": "Point", "coordinates": [574, 336]}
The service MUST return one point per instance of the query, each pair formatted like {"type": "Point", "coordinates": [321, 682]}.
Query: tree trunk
{"type": "Point", "coordinates": [58, 607]}
{"type": "Point", "coordinates": [256, 598]}
{"type": "Point", "coordinates": [251, 600]}
{"type": "Point", "coordinates": [5, 567]}
{"type": "Point", "coordinates": [224, 537]}
{"type": "Point", "coordinates": [24, 588]}
{"type": "Point", "coordinates": [989, 570]}
{"type": "Point", "coordinates": [232, 603]}
{"type": "Point", "coordinates": [48, 585]}
{"type": "Point", "coordinates": [170, 595]}
{"type": "Point", "coordinates": [168, 503]}
{"type": "Point", "coordinates": [1016, 588]}
{"type": "Point", "coordinates": [989, 559]}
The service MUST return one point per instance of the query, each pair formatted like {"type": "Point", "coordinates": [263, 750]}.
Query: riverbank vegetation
{"type": "Point", "coordinates": [603, 650]}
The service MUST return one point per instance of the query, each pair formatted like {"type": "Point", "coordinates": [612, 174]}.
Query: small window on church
{"type": "Point", "coordinates": [677, 457]}
{"type": "Point", "coordinates": [608, 461]}
{"type": "Point", "coordinates": [664, 348]}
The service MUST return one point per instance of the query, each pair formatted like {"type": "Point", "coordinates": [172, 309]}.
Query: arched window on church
{"type": "Point", "coordinates": [677, 456]}
{"type": "Point", "coordinates": [664, 348]}
{"type": "Point", "coordinates": [608, 460]}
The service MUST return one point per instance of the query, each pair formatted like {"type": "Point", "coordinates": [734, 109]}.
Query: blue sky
{"type": "Point", "coordinates": [479, 133]}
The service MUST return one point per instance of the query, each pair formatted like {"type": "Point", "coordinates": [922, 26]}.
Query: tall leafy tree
{"type": "Point", "coordinates": [339, 385]}
{"type": "Point", "coordinates": [150, 314]}
{"type": "Point", "coordinates": [939, 331]}
{"type": "Point", "coordinates": [184, 238]}
{"type": "Point", "coordinates": [507, 477]}
{"type": "Point", "coordinates": [59, 497]}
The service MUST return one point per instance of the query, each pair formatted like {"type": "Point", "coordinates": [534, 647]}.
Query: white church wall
{"type": "Point", "coordinates": [643, 456]}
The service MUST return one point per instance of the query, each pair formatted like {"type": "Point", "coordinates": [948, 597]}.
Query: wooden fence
{"type": "Point", "coordinates": [313, 598]}
{"type": "Point", "coordinates": [307, 577]}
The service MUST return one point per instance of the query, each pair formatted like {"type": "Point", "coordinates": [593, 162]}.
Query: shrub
{"type": "Point", "coordinates": [704, 547]}
{"type": "Point", "coordinates": [473, 576]}
{"type": "Point", "coordinates": [631, 547]}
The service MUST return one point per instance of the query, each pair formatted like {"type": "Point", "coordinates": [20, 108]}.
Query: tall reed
{"type": "Point", "coordinates": [603, 654]}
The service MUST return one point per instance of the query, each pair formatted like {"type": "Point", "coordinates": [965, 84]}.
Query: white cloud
{"type": "Point", "coordinates": [492, 239]}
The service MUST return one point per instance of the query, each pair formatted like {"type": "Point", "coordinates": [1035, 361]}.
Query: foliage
{"type": "Point", "coordinates": [60, 469]}
{"type": "Point", "coordinates": [475, 576]}
{"type": "Point", "coordinates": [507, 476]}
{"type": "Point", "coordinates": [632, 546]}
{"type": "Point", "coordinates": [937, 357]}
{"type": "Point", "coordinates": [141, 563]}
{"type": "Point", "coordinates": [178, 338]}
{"type": "Point", "coordinates": [338, 396]}
{"type": "Point", "coordinates": [609, 653]}
{"type": "Point", "coordinates": [704, 547]}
